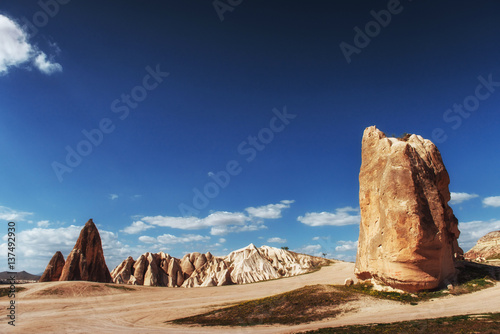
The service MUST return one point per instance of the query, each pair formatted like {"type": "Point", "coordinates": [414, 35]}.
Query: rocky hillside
{"type": "Point", "coordinates": [487, 247]}
{"type": "Point", "coordinates": [246, 265]}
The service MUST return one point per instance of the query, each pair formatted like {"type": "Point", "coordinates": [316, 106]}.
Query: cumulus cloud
{"type": "Point", "coordinates": [113, 196]}
{"type": "Point", "coordinates": [314, 250]}
{"type": "Point", "coordinates": [16, 51]}
{"type": "Point", "coordinates": [470, 232]}
{"type": "Point", "coordinates": [115, 251]}
{"type": "Point", "coordinates": [270, 211]}
{"type": "Point", "coordinates": [341, 217]}
{"type": "Point", "coordinates": [346, 246]}
{"type": "Point", "coordinates": [172, 239]}
{"type": "Point", "coordinates": [136, 227]}
{"type": "Point", "coordinates": [13, 215]}
{"type": "Point", "coordinates": [220, 223]}
{"type": "Point", "coordinates": [457, 198]}
{"type": "Point", "coordinates": [46, 66]}
{"type": "Point", "coordinates": [276, 240]}
{"type": "Point", "coordinates": [223, 230]}
{"type": "Point", "coordinates": [219, 218]}
{"type": "Point", "coordinates": [43, 223]}
{"type": "Point", "coordinates": [148, 240]}
{"type": "Point", "coordinates": [492, 201]}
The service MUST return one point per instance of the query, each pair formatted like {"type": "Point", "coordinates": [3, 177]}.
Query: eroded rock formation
{"type": "Point", "coordinates": [86, 261]}
{"type": "Point", "coordinates": [54, 268]}
{"type": "Point", "coordinates": [408, 233]}
{"type": "Point", "coordinates": [486, 247]}
{"type": "Point", "coordinates": [246, 265]}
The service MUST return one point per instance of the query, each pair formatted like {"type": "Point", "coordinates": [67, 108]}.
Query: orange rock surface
{"type": "Point", "coordinates": [408, 233]}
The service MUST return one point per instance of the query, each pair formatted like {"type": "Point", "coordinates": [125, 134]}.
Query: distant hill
{"type": "Point", "coordinates": [22, 275]}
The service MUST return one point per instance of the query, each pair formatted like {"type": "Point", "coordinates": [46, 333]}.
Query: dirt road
{"type": "Point", "coordinates": [86, 307]}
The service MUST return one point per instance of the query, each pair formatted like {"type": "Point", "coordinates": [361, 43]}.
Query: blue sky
{"type": "Point", "coordinates": [206, 126]}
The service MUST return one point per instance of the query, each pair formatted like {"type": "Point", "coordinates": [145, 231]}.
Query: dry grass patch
{"type": "Point", "coordinates": [471, 277]}
{"type": "Point", "coordinates": [82, 289]}
{"type": "Point", "coordinates": [479, 323]}
{"type": "Point", "coordinates": [310, 303]}
{"type": "Point", "coordinates": [6, 291]}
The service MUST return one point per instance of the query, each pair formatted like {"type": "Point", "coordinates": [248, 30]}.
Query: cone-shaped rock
{"type": "Point", "coordinates": [124, 271]}
{"type": "Point", "coordinates": [54, 268]}
{"type": "Point", "coordinates": [408, 233]}
{"type": "Point", "coordinates": [86, 260]}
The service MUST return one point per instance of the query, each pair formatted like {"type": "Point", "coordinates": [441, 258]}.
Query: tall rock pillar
{"type": "Point", "coordinates": [408, 233]}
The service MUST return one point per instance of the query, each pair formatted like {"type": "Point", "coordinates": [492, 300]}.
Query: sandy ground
{"type": "Point", "coordinates": [85, 308]}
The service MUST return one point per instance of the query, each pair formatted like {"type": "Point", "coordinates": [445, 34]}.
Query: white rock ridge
{"type": "Point", "coordinates": [246, 265]}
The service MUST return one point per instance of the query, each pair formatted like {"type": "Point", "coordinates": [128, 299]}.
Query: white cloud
{"type": "Point", "coordinates": [113, 196]}
{"type": "Point", "coordinates": [346, 246]}
{"type": "Point", "coordinates": [13, 215]}
{"type": "Point", "coordinates": [148, 240]}
{"type": "Point", "coordinates": [43, 223]}
{"type": "Point", "coordinates": [341, 217]}
{"type": "Point", "coordinates": [219, 218]}
{"type": "Point", "coordinates": [492, 201]}
{"type": "Point", "coordinates": [172, 239]}
{"type": "Point", "coordinates": [136, 227]}
{"type": "Point", "coordinates": [276, 240]}
{"type": "Point", "coordinates": [270, 211]}
{"type": "Point", "coordinates": [16, 51]}
{"type": "Point", "coordinates": [223, 222]}
{"type": "Point", "coordinates": [470, 232]}
{"type": "Point", "coordinates": [44, 241]}
{"type": "Point", "coordinates": [222, 240]}
{"type": "Point", "coordinates": [457, 198]}
{"type": "Point", "coordinates": [115, 251]}
{"type": "Point", "coordinates": [223, 230]}
{"type": "Point", "coordinates": [45, 65]}
{"type": "Point", "coordinates": [314, 250]}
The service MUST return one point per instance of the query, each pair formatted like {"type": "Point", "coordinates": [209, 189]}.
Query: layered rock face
{"type": "Point", "coordinates": [486, 247]}
{"type": "Point", "coordinates": [246, 265]}
{"type": "Point", "coordinates": [408, 233]}
{"type": "Point", "coordinates": [54, 268]}
{"type": "Point", "coordinates": [86, 261]}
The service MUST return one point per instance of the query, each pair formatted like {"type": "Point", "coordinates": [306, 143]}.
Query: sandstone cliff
{"type": "Point", "coordinates": [408, 233]}
{"type": "Point", "coordinates": [246, 265]}
{"type": "Point", "coordinates": [54, 268]}
{"type": "Point", "coordinates": [486, 247]}
{"type": "Point", "coordinates": [86, 261]}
